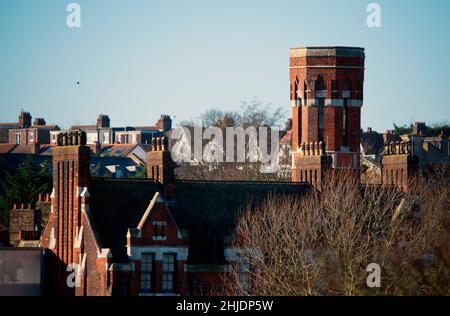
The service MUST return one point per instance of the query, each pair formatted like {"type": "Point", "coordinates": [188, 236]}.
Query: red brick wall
{"type": "Point", "coordinates": [160, 213]}
{"type": "Point", "coordinates": [398, 170]}
{"type": "Point", "coordinates": [71, 168]}
{"type": "Point", "coordinates": [296, 125]}
{"type": "Point", "coordinates": [305, 72]}
{"type": "Point", "coordinates": [310, 128]}
{"type": "Point", "coordinates": [333, 128]}
{"type": "Point", "coordinates": [354, 128]}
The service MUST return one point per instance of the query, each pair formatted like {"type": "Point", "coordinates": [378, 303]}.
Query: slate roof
{"type": "Point", "coordinates": [115, 206]}
{"type": "Point", "coordinates": [209, 209]}
{"type": "Point", "coordinates": [206, 209]}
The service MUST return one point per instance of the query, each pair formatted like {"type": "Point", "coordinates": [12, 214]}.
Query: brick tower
{"type": "Point", "coordinates": [326, 98]}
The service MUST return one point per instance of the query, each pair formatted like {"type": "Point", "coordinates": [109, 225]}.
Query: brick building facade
{"type": "Point", "coordinates": [154, 236]}
{"type": "Point", "coordinates": [415, 155]}
{"type": "Point", "coordinates": [162, 236]}
{"type": "Point", "coordinates": [326, 98]}
{"type": "Point", "coordinates": [29, 135]}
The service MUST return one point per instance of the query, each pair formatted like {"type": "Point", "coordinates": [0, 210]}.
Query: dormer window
{"type": "Point", "coordinates": [159, 231]}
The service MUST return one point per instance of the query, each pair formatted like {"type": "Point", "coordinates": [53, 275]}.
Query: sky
{"type": "Point", "coordinates": [137, 59]}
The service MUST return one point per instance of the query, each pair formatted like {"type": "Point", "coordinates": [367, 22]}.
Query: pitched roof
{"type": "Point", "coordinates": [78, 127]}
{"type": "Point", "coordinates": [206, 209]}
{"type": "Point", "coordinates": [286, 139]}
{"type": "Point", "coordinates": [117, 205]}
{"type": "Point", "coordinates": [50, 127]}
{"type": "Point", "coordinates": [117, 150]}
{"type": "Point", "coordinates": [23, 149]}
{"type": "Point", "coordinates": [9, 125]}
{"type": "Point", "coordinates": [6, 148]}
{"type": "Point", "coordinates": [146, 128]}
{"type": "Point", "coordinates": [209, 209]}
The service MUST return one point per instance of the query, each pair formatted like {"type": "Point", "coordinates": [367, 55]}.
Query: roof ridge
{"type": "Point", "coordinates": [240, 182]}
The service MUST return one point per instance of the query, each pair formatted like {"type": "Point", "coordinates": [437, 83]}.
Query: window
{"type": "Point", "coordinates": [345, 123]}
{"type": "Point", "coordinates": [168, 272]}
{"type": "Point", "coordinates": [147, 278]}
{"type": "Point", "coordinates": [17, 138]}
{"type": "Point", "coordinates": [106, 138]}
{"type": "Point", "coordinates": [30, 137]}
{"type": "Point", "coordinates": [159, 231]}
{"type": "Point", "coordinates": [321, 117]}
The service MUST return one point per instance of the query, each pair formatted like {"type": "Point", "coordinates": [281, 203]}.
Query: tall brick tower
{"type": "Point", "coordinates": [71, 174]}
{"type": "Point", "coordinates": [326, 98]}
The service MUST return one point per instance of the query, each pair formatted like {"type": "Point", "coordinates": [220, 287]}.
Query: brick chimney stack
{"type": "Point", "coordinates": [71, 174]}
{"type": "Point", "coordinates": [103, 121]}
{"type": "Point", "coordinates": [164, 124]}
{"type": "Point", "coordinates": [39, 121]}
{"type": "Point", "coordinates": [419, 128]}
{"type": "Point", "coordinates": [24, 119]}
{"type": "Point", "coordinates": [160, 166]}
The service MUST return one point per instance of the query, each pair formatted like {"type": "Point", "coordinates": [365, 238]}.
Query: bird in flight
{"type": "Point", "coordinates": [78, 82]}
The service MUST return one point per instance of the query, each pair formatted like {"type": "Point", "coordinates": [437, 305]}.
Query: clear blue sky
{"type": "Point", "coordinates": [136, 59]}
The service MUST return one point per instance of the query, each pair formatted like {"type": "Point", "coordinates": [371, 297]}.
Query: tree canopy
{"type": "Point", "coordinates": [23, 185]}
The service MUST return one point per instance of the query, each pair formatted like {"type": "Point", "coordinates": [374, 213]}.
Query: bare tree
{"type": "Point", "coordinates": [322, 243]}
{"type": "Point", "coordinates": [253, 114]}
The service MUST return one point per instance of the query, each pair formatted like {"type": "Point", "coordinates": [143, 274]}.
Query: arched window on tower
{"type": "Point", "coordinates": [320, 90]}
{"type": "Point", "coordinates": [335, 89]}
{"type": "Point", "coordinates": [346, 93]}
{"type": "Point", "coordinates": [298, 95]}
{"type": "Point", "coordinates": [305, 92]}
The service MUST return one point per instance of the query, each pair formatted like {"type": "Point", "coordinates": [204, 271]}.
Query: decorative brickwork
{"type": "Point", "coordinates": [326, 98]}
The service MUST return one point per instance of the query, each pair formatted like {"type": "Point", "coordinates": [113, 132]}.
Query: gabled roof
{"type": "Point", "coordinates": [117, 205]}
{"type": "Point", "coordinates": [206, 209]}
{"type": "Point", "coordinates": [154, 203]}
